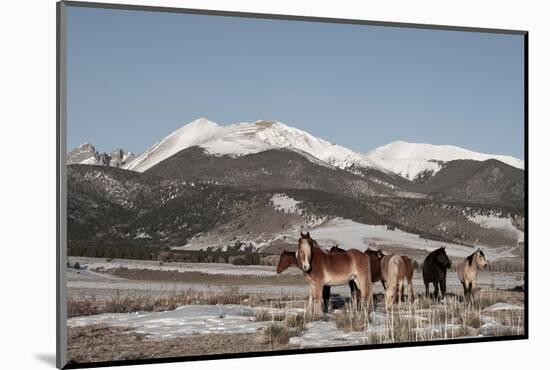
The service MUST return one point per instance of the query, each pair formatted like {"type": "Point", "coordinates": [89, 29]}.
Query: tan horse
{"type": "Point", "coordinates": [394, 270]}
{"type": "Point", "coordinates": [323, 268]}
{"type": "Point", "coordinates": [467, 272]}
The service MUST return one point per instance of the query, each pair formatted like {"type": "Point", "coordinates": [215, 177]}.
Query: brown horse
{"type": "Point", "coordinates": [288, 259]}
{"type": "Point", "coordinates": [322, 268]}
{"type": "Point", "coordinates": [395, 269]}
{"type": "Point", "coordinates": [467, 272]}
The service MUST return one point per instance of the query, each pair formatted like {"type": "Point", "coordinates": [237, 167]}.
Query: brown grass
{"type": "Point", "coordinates": [427, 320]}
{"type": "Point", "coordinates": [90, 305]}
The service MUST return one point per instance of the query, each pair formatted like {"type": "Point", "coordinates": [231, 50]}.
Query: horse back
{"type": "Point", "coordinates": [349, 261]}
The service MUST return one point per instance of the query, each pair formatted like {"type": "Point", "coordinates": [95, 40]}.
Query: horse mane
{"type": "Point", "coordinates": [314, 243]}
{"type": "Point", "coordinates": [470, 258]}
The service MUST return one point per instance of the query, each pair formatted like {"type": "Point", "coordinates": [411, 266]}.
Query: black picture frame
{"type": "Point", "coordinates": [61, 191]}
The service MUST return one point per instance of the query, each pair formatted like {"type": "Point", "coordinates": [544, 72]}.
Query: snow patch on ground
{"type": "Point", "coordinates": [185, 320]}
{"type": "Point", "coordinates": [326, 334]}
{"type": "Point", "coordinates": [284, 203]}
{"type": "Point", "coordinates": [500, 306]}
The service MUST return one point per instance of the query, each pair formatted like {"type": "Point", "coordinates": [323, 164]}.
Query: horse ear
{"type": "Point", "coordinates": [302, 235]}
{"type": "Point", "coordinates": [307, 235]}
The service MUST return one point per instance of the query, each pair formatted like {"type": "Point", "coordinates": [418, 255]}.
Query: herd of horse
{"type": "Point", "coordinates": [325, 268]}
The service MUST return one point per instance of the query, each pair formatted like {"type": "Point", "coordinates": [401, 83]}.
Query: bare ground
{"type": "Point", "coordinates": [100, 343]}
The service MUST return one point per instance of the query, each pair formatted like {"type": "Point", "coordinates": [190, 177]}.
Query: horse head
{"type": "Point", "coordinates": [442, 259]}
{"type": "Point", "coordinates": [480, 260]}
{"type": "Point", "coordinates": [303, 253]}
{"type": "Point", "coordinates": [286, 259]}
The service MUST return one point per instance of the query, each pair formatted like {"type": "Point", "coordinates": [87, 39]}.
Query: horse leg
{"type": "Point", "coordinates": [326, 298]}
{"type": "Point", "coordinates": [465, 291]}
{"type": "Point", "coordinates": [443, 287]}
{"type": "Point", "coordinates": [427, 286]}
{"type": "Point", "coordinates": [411, 292]}
{"type": "Point", "coordinates": [354, 292]}
{"type": "Point", "coordinates": [317, 300]}
{"type": "Point", "coordinates": [402, 291]}
{"type": "Point", "coordinates": [364, 293]}
{"type": "Point", "coordinates": [400, 287]}
{"type": "Point", "coordinates": [472, 290]}
{"type": "Point", "coordinates": [436, 290]}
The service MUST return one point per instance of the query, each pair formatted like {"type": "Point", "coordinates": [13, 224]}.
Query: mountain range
{"type": "Point", "coordinates": [413, 161]}
{"type": "Point", "coordinates": [206, 184]}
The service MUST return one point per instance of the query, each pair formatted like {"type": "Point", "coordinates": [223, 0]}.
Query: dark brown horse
{"type": "Point", "coordinates": [434, 270]}
{"type": "Point", "coordinates": [323, 268]}
{"type": "Point", "coordinates": [375, 269]}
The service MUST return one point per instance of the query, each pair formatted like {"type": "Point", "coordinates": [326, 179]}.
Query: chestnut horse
{"type": "Point", "coordinates": [323, 268]}
{"type": "Point", "coordinates": [467, 272]}
{"type": "Point", "coordinates": [288, 259]}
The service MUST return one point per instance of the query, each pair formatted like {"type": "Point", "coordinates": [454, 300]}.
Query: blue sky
{"type": "Point", "coordinates": [134, 77]}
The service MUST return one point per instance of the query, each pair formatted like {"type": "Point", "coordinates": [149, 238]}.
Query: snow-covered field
{"type": "Point", "coordinates": [350, 234]}
{"type": "Point", "coordinates": [272, 301]}
{"type": "Point", "coordinates": [237, 319]}
{"type": "Point", "coordinates": [184, 320]}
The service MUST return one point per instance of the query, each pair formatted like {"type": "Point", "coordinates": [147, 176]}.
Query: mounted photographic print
{"type": "Point", "coordinates": [235, 184]}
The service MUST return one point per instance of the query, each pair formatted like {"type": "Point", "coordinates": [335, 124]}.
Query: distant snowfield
{"type": "Point", "coordinates": [205, 268]}
{"type": "Point", "coordinates": [502, 224]}
{"type": "Point", "coordinates": [284, 203]}
{"type": "Point", "coordinates": [350, 234]}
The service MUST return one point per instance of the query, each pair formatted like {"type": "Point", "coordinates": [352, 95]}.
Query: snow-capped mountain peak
{"type": "Point", "coordinates": [246, 138]}
{"type": "Point", "coordinates": [87, 154]}
{"type": "Point", "coordinates": [412, 160]}
{"type": "Point", "coordinates": [194, 133]}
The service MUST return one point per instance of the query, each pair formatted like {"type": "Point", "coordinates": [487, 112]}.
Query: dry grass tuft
{"type": "Point", "coordinates": [275, 334]}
